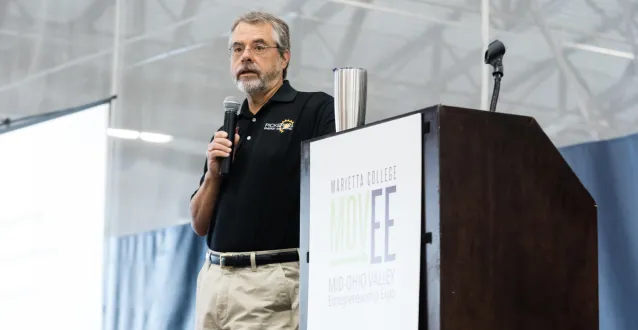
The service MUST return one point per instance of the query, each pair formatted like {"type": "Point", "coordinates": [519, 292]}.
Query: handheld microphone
{"type": "Point", "coordinates": [494, 57]}
{"type": "Point", "coordinates": [231, 107]}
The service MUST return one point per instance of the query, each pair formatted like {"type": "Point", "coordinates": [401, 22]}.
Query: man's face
{"type": "Point", "coordinates": [255, 62]}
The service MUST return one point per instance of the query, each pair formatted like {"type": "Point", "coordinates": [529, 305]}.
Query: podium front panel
{"type": "Point", "coordinates": [362, 199]}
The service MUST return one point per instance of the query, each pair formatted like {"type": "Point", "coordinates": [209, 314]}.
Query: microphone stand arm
{"type": "Point", "coordinates": [497, 74]}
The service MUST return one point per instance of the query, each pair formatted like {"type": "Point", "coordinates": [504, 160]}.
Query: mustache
{"type": "Point", "coordinates": [248, 69]}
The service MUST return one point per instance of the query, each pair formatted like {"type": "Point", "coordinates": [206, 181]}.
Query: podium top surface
{"type": "Point", "coordinates": [521, 135]}
{"type": "Point", "coordinates": [437, 109]}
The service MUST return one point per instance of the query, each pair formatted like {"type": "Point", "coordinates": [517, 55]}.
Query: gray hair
{"type": "Point", "coordinates": [281, 32]}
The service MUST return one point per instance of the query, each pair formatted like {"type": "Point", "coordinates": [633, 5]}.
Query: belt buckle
{"type": "Point", "coordinates": [222, 261]}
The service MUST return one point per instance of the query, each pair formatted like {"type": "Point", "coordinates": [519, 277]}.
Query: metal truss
{"type": "Point", "coordinates": [596, 111]}
{"type": "Point", "coordinates": [593, 109]}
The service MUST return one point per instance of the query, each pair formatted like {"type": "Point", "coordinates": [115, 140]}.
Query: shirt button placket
{"type": "Point", "coordinates": [254, 120]}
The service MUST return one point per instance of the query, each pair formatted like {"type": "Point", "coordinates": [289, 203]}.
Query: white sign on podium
{"type": "Point", "coordinates": [365, 228]}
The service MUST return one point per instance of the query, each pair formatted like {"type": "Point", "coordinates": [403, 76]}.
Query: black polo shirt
{"type": "Point", "coordinates": [258, 204]}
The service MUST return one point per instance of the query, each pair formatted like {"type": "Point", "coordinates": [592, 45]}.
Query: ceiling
{"type": "Point", "coordinates": [569, 63]}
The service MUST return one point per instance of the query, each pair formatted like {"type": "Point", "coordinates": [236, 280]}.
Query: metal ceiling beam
{"type": "Point", "coordinates": [511, 15]}
{"type": "Point", "coordinates": [295, 7]}
{"type": "Point", "coordinates": [92, 13]}
{"type": "Point", "coordinates": [624, 101]}
{"type": "Point", "coordinates": [349, 40]}
{"type": "Point", "coordinates": [586, 101]}
{"type": "Point", "coordinates": [299, 32]}
{"type": "Point", "coordinates": [430, 37]}
{"type": "Point", "coordinates": [139, 12]}
{"type": "Point", "coordinates": [187, 18]}
{"type": "Point", "coordinates": [533, 82]}
{"type": "Point", "coordinates": [542, 67]}
{"type": "Point", "coordinates": [545, 66]}
{"type": "Point", "coordinates": [462, 66]}
{"type": "Point", "coordinates": [182, 35]}
{"type": "Point", "coordinates": [85, 20]}
{"type": "Point", "coordinates": [167, 10]}
{"type": "Point", "coordinates": [397, 60]}
{"type": "Point", "coordinates": [629, 9]}
{"type": "Point", "coordinates": [571, 74]}
{"type": "Point", "coordinates": [562, 92]}
{"type": "Point", "coordinates": [514, 20]}
{"type": "Point", "coordinates": [615, 92]}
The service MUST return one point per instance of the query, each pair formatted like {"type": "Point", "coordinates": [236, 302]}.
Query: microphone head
{"type": "Point", "coordinates": [495, 51]}
{"type": "Point", "coordinates": [231, 104]}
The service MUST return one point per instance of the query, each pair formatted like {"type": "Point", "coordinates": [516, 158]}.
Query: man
{"type": "Point", "coordinates": [250, 279]}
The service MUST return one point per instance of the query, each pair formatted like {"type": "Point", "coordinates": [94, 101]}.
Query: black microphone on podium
{"type": "Point", "coordinates": [494, 57]}
{"type": "Point", "coordinates": [231, 107]}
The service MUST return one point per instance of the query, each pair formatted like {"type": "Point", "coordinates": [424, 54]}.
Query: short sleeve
{"type": "Point", "coordinates": [201, 179]}
{"type": "Point", "coordinates": [325, 118]}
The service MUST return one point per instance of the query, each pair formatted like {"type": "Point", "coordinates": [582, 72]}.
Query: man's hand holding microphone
{"type": "Point", "coordinates": [219, 149]}
{"type": "Point", "coordinates": [221, 152]}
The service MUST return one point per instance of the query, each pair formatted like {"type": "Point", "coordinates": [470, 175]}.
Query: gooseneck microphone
{"type": "Point", "coordinates": [494, 57]}
{"type": "Point", "coordinates": [231, 107]}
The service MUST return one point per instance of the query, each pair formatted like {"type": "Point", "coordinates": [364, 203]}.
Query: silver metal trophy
{"type": "Point", "coordinates": [351, 90]}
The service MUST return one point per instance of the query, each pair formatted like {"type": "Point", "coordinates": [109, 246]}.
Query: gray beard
{"type": "Point", "coordinates": [251, 86]}
{"type": "Point", "coordinates": [256, 85]}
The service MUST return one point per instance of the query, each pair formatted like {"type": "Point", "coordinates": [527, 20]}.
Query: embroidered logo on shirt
{"type": "Point", "coordinates": [285, 125]}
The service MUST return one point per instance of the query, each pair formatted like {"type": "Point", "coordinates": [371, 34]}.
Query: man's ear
{"type": "Point", "coordinates": [286, 58]}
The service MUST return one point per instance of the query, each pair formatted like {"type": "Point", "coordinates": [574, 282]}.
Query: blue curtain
{"type": "Point", "coordinates": [609, 170]}
{"type": "Point", "coordinates": [151, 277]}
{"type": "Point", "coordinates": [150, 280]}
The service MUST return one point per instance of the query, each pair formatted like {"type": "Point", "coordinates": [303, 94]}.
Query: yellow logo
{"type": "Point", "coordinates": [286, 125]}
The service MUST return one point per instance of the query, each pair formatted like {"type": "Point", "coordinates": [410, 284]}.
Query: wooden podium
{"type": "Point", "coordinates": [502, 234]}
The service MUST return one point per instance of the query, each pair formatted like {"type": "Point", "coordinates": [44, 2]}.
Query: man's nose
{"type": "Point", "coordinates": [246, 56]}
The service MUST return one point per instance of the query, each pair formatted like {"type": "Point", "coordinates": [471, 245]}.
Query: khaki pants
{"type": "Point", "coordinates": [263, 297]}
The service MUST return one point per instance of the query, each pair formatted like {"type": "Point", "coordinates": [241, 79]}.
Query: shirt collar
{"type": "Point", "coordinates": [284, 94]}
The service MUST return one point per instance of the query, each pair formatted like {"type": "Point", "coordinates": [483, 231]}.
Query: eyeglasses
{"type": "Point", "coordinates": [258, 49]}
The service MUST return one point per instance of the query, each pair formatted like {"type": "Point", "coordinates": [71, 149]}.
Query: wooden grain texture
{"type": "Point", "coordinates": [518, 231]}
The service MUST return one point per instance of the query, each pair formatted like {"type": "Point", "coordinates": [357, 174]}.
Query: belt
{"type": "Point", "coordinates": [243, 260]}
